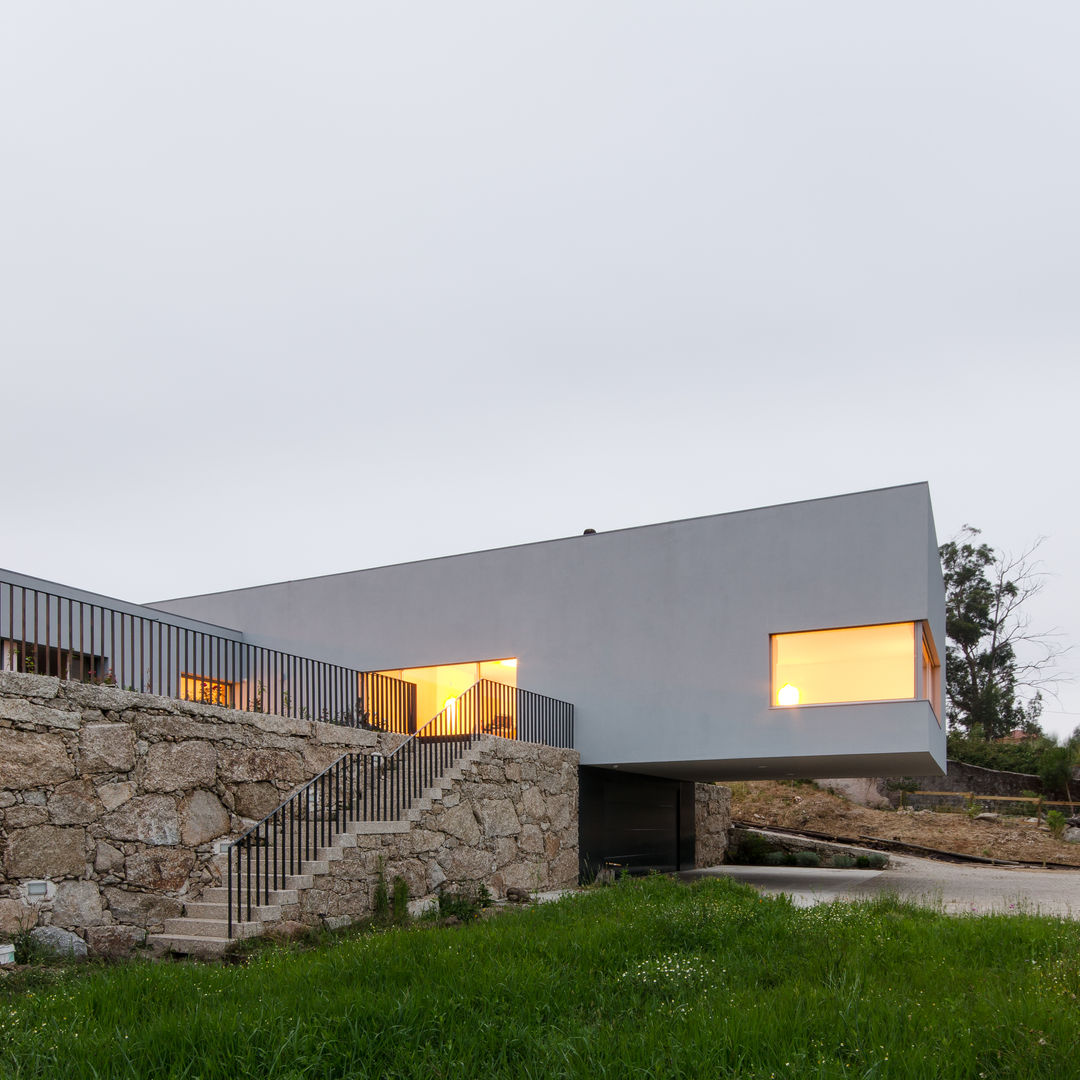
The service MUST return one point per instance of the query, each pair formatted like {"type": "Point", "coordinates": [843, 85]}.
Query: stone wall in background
{"type": "Point", "coordinates": [970, 778]}
{"type": "Point", "coordinates": [712, 823]}
{"type": "Point", "coordinates": [116, 800]}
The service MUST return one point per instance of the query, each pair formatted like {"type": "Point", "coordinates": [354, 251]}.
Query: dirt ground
{"type": "Point", "coordinates": [801, 805]}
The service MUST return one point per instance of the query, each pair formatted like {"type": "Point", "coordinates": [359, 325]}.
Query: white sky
{"type": "Point", "coordinates": [290, 289]}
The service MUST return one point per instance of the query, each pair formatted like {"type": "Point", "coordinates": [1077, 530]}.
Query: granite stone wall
{"type": "Point", "coordinates": [511, 820]}
{"type": "Point", "coordinates": [116, 800]}
{"type": "Point", "coordinates": [712, 823]}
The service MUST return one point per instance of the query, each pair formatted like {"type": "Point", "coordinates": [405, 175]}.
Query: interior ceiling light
{"type": "Point", "coordinates": [787, 695]}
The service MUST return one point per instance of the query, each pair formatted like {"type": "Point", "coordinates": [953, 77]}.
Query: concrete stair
{"type": "Point", "coordinates": [203, 929]}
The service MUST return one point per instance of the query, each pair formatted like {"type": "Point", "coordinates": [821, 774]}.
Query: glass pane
{"type": "Point", "coordinates": [858, 663]}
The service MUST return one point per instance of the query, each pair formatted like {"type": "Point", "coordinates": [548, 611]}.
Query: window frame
{"type": "Point", "coordinates": [921, 638]}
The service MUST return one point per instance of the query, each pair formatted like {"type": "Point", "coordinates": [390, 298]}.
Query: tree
{"type": "Point", "coordinates": [992, 654]}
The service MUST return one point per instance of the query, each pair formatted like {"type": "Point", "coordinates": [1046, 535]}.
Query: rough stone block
{"type": "Point", "coordinates": [77, 904]}
{"type": "Point", "coordinates": [107, 858]}
{"type": "Point", "coordinates": [21, 711]}
{"type": "Point", "coordinates": [467, 864]}
{"type": "Point", "coordinates": [32, 686]}
{"type": "Point", "coordinates": [149, 818]}
{"type": "Point", "coordinates": [114, 795]}
{"type": "Point", "coordinates": [498, 818]}
{"type": "Point", "coordinates": [106, 748]}
{"type": "Point", "coordinates": [459, 821]}
{"type": "Point", "coordinates": [562, 873]}
{"type": "Point", "coordinates": [531, 840]}
{"type": "Point", "coordinates": [115, 942]}
{"type": "Point", "coordinates": [140, 908]}
{"type": "Point", "coordinates": [23, 817]}
{"type": "Point", "coordinates": [175, 766]}
{"type": "Point", "coordinates": [59, 942]}
{"type": "Point", "coordinates": [257, 799]}
{"type": "Point", "coordinates": [426, 840]}
{"type": "Point", "coordinates": [254, 764]}
{"type": "Point", "coordinates": [15, 916]}
{"type": "Point", "coordinates": [202, 818]}
{"type": "Point", "coordinates": [163, 870]}
{"type": "Point", "coordinates": [113, 698]}
{"type": "Point", "coordinates": [74, 803]}
{"type": "Point", "coordinates": [45, 851]}
{"type": "Point", "coordinates": [533, 805]}
{"type": "Point", "coordinates": [32, 760]}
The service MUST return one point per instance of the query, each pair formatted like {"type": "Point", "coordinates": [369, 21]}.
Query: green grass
{"type": "Point", "coordinates": [650, 978]}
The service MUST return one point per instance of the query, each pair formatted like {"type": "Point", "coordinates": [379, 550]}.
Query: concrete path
{"type": "Point", "coordinates": [953, 888]}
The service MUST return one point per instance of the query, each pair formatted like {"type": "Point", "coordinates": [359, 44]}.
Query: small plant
{"type": "Point", "coordinates": [380, 902]}
{"type": "Point", "coordinates": [751, 850]}
{"type": "Point", "coordinates": [258, 698]}
{"type": "Point", "coordinates": [1056, 821]}
{"type": "Point", "coordinates": [399, 900]}
{"type": "Point", "coordinates": [465, 903]}
{"type": "Point", "coordinates": [843, 862]}
{"type": "Point", "coordinates": [873, 861]}
{"type": "Point", "coordinates": [807, 858]}
{"type": "Point", "coordinates": [28, 949]}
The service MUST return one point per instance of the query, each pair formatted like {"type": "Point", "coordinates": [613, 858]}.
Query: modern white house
{"type": "Point", "coordinates": [800, 640]}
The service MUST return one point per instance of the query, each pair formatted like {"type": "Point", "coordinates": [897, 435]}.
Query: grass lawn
{"type": "Point", "coordinates": [649, 978]}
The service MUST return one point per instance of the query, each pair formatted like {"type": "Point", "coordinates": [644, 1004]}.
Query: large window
{"type": "Point", "coordinates": [438, 687]}
{"type": "Point", "coordinates": [887, 662]}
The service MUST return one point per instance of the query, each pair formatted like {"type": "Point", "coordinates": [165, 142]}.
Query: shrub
{"type": "Point", "coordinates": [380, 902]}
{"type": "Point", "coordinates": [1056, 820]}
{"type": "Point", "coordinates": [464, 903]}
{"type": "Point", "coordinates": [842, 862]}
{"type": "Point", "coordinates": [399, 899]}
{"type": "Point", "coordinates": [751, 850]}
{"type": "Point", "coordinates": [807, 858]}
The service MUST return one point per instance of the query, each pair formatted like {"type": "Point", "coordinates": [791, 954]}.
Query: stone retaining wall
{"type": "Point", "coordinates": [510, 821]}
{"type": "Point", "coordinates": [712, 823]}
{"type": "Point", "coordinates": [116, 799]}
{"type": "Point", "coordinates": [963, 777]}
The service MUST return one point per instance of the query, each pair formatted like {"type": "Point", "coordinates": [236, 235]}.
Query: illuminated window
{"type": "Point", "coordinates": [857, 663]}
{"type": "Point", "coordinates": [207, 691]}
{"type": "Point", "coordinates": [930, 673]}
{"type": "Point", "coordinates": [439, 686]}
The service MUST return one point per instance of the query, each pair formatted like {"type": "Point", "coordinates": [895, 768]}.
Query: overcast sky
{"type": "Point", "coordinates": [290, 289]}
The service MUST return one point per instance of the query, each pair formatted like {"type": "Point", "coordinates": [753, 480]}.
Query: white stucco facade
{"type": "Point", "coordinates": [659, 635]}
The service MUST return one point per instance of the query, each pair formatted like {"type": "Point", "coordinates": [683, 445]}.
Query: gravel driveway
{"type": "Point", "coordinates": [949, 887]}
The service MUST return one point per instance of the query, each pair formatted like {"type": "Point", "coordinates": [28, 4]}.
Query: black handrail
{"type": "Point", "coordinates": [361, 786]}
{"type": "Point", "coordinates": [44, 633]}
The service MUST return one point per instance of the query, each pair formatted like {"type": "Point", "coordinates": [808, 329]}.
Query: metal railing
{"type": "Point", "coordinates": [370, 787]}
{"type": "Point", "coordinates": [44, 633]}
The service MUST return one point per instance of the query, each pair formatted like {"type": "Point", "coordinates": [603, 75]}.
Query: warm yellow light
{"type": "Point", "coordinates": [853, 663]}
{"type": "Point", "coordinates": [508, 663]}
{"type": "Point", "coordinates": [787, 695]}
{"type": "Point", "coordinates": [448, 705]}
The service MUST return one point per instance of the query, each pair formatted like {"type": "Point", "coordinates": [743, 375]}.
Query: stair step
{"type": "Point", "coordinates": [212, 928]}
{"type": "Point", "coordinates": [204, 927]}
{"type": "Point", "coordinates": [187, 944]}
{"type": "Point", "coordinates": [377, 828]}
{"type": "Point", "coordinates": [288, 895]}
